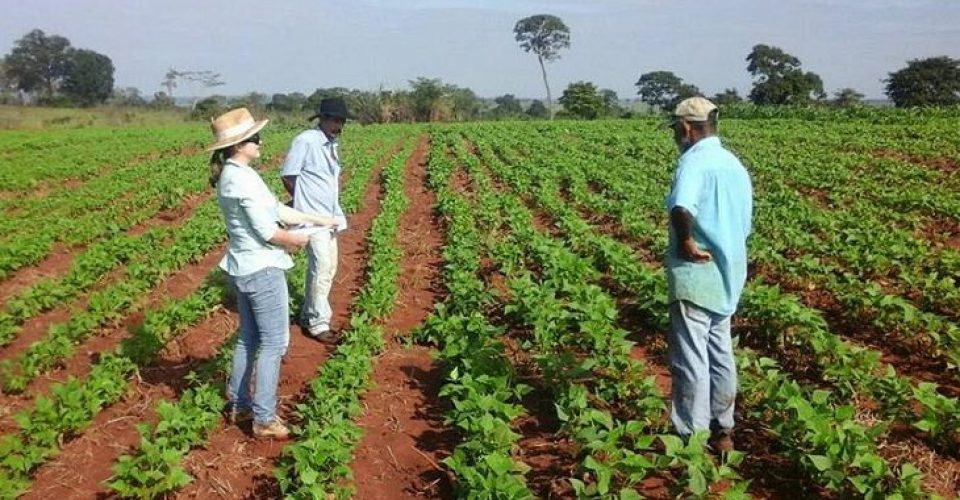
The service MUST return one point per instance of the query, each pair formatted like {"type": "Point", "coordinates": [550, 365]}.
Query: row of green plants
{"type": "Point", "coordinates": [316, 465]}
{"type": "Point", "coordinates": [480, 381]}
{"type": "Point", "coordinates": [156, 468]}
{"type": "Point", "coordinates": [87, 270]}
{"type": "Point", "coordinates": [851, 368]}
{"type": "Point", "coordinates": [36, 158]}
{"type": "Point", "coordinates": [604, 397]}
{"type": "Point", "coordinates": [362, 163]}
{"type": "Point", "coordinates": [109, 208]}
{"type": "Point", "coordinates": [805, 327]}
{"type": "Point", "coordinates": [72, 405]}
{"type": "Point", "coordinates": [108, 306]}
{"type": "Point", "coordinates": [650, 288]}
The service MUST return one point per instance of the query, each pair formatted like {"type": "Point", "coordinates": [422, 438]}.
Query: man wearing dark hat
{"type": "Point", "coordinates": [311, 174]}
{"type": "Point", "coordinates": [710, 207]}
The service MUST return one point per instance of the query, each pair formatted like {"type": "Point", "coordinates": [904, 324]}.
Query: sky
{"type": "Point", "coordinates": [301, 45]}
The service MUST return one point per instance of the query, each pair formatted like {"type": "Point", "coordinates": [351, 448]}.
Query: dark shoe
{"type": "Point", "coordinates": [722, 441]}
{"type": "Point", "coordinates": [237, 416]}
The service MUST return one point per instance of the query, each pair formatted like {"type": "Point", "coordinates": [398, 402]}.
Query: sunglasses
{"type": "Point", "coordinates": [255, 138]}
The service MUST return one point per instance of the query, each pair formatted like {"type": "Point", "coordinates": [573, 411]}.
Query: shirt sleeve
{"type": "Point", "coordinates": [295, 157]}
{"type": "Point", "coordinates": [687, 188]}
{"type": "Point", "coordinates": [259, 206]}
{"type": "Point", "coordinates": [258, 214]}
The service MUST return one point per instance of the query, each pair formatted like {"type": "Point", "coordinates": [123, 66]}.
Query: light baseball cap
{"type": "Point", "coordinates": [694, 109]}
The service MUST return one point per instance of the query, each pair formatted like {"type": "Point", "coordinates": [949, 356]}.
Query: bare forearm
{"type": "Point", "coordinates": [682, 223]}
{"type": "Point", "coordinates": [285, 238]}
{"type": "Point", "coordinates": [290, 184]}
{"type": "Point", "coordinates": [291, 216]}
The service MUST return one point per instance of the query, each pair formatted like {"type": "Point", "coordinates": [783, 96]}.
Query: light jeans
{"type": "Point", "coordinates": [321, 268]}
{"type": "Point", "coordinates": [264, 335]}
{"type": "Point", "coordinates": [703, 369]}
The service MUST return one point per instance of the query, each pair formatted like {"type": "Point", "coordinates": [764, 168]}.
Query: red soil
{"type": "Point", "coordinates": [233, 464]}
{"type": "Point", "coordinates": [404, 436]}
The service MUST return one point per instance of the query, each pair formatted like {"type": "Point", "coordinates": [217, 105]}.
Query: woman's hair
{"type": "Point", "coordinates": [217, 160]}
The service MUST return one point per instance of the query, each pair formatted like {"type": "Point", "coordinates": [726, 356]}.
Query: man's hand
{"type": "Point", "coordinates": [691, 252]}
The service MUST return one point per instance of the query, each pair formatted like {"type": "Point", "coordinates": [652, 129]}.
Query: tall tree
{"type": "Point", "coordinates": [38, 63]}
{"type": "Point", "coordinates": [581, 99]}
{"type": "Point", "coordinates": [664, 89]}
{"type": "Point", "coordinates": [780, 78]}
{"type": "Point", "coordinates": [934, 81]}
{"type": "Point", "coordinates": [544, 35]}
{"type": "Point", "coordinates": [89, 78]}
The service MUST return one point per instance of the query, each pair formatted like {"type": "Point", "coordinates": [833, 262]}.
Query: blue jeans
{"type": "Point", "coordinates": [321, 268]}
{"type": "Point", "coordinates": [703, 369]}
{"type": "Point", "coordinates": [264, 335]}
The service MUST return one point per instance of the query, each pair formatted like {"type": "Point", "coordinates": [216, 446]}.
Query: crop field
{"type": "Point", "coordinates": [505, 313]}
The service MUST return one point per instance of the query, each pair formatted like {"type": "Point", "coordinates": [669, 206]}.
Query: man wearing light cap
{"type": "Point", "coordinates": [710, 207]}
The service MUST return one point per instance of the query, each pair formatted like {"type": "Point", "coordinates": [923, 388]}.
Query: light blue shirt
{"type": "Point", "coordinates": [251, 213]}
{"type": "Point", "coordinates": [314, 160]}
{"type": "Point", "coordinates": [711, 184]}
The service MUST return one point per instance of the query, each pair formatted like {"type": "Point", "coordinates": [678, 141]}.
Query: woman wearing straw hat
{"type": "Point", "coordinates": [256, 259]}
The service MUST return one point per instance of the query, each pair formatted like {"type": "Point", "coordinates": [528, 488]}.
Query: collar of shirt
{"type": "Point", "coordinates": [232, 162]}
{"type": "Point", "coordinates": [327, 141]}
{"type": "Point", "coordinates": [706, 142]}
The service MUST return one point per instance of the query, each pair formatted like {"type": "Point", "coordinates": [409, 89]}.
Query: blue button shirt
{"type": "Point", "coordinates": [711, 184]}
{"type": "Point", "coordinates": [250, 211]}
{"type": "Point", "coordinates": [314, 160]}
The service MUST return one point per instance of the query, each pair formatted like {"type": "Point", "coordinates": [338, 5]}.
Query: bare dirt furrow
{"type": "Point", "coordinates": [404, 437]}
{"type": "Point", "coordinates": [772, 474]}
{"type": "Point", "coordinates": [179, 285]}
{"type": "Point", "coordinates": [61, 256]}
{"type": "Point", "coordinates": [235, 465]}
{"type": "Point", "coordinates": [85, 463]}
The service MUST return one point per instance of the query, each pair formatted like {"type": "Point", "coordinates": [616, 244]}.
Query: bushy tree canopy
{"type": "Point", "coordinates": [934, 81]}
{"type": "Point", "coordinates": [582, 100]}
{"type": "Point", "coordinates": [538, 110]}
{"type": "Point", "coordinates": [779, 78]}
{"type": "Point", "coordinates": [507, 106]}
{"type": "Point", "coordinates": [847, 97]}
{"type": "Point", "coordinates": [89, 77]}
{"type": "Point", "coordinates": [664, 89]}
{"type": "Point", "coordinates": [728, 96]}
{"type": "Point", "coordinates": [39, 63]}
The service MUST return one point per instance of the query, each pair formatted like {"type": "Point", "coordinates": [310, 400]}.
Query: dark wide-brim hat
{"type": "Point", "coordinates": [333, 107]}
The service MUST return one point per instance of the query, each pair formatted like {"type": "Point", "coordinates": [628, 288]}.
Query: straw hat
{"type": "Point", "coordinates": [233, 127]}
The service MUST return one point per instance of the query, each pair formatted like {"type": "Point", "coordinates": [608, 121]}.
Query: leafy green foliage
{"type": "Point", "coordinates": [934, 81]}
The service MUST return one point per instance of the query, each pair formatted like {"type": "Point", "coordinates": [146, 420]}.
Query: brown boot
{"type": "Point", "coordinates": [721, 441]}
{"type": "Point", "coordinates": [273, 430]}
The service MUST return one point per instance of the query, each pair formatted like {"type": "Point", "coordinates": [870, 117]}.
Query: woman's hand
{"type": "Point", "coordinates": [290, 241]}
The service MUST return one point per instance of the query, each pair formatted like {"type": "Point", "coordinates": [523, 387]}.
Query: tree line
{"type": "Point", "coordinates": [45, 69]}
